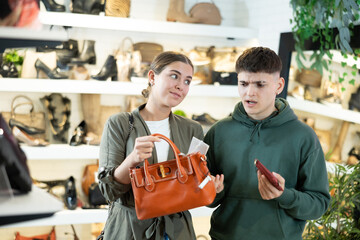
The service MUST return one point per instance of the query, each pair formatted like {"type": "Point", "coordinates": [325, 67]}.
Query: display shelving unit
{"type": "Point", "coordinates": [92, 22]}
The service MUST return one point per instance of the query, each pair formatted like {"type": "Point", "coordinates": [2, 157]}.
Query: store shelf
{"type": "Point", "coordinates": [102, 87]}
{"type": "Point", "coordinates": [85, 216]}
{"type": "Point", "coordinates": [65, 217]}
{"type": "Point", "coordinates": [144, 25]}
{"type": "Point", "coordinates": [32, 34]}
{"type": "Point", "coordinates": [61, 151]}
{"type": "Point", "coordinates": [324, 110]}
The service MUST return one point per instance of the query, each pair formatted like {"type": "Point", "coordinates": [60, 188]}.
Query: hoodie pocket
{"type": "Point", "coordinates": [251, 218]}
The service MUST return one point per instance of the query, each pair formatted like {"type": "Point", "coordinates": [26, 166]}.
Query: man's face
{"type": "Point", "coordinates": [258, 92]}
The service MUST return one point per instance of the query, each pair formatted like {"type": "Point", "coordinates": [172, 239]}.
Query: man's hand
{"type": "Point", "coordinates": [266, 189]}
{"type": "Point", "coordinates": [219, 182]}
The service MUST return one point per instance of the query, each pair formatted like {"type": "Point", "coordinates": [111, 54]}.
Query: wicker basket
{"type": "Point", "coordinates": [117, 8]}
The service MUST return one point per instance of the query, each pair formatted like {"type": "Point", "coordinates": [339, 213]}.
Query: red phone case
{"type": "Point", "coordinates": [268, 174]}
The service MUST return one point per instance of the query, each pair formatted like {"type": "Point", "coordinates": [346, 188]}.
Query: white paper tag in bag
{"type": "Point", "coordinates": [204, 182]}
{"type": "Point", "coordinates": [197, 145]}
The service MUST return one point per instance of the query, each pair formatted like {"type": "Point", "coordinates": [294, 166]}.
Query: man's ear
{"type": "Point", "coordinates": [281, 85]}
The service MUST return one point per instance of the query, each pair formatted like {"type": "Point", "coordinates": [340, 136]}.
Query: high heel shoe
{"type": "Point", "coordinates": [52, 6]}
{"type": "Point", "coordinates": [176, 13]}
{"type": "Point", "coordinates": [28, 129]}
{"type": "Point", "coordinates": [52, 74]}
{"type": "Point", "coordinates": [23, 137]}
{"type": "Point", "coordinates": [79, 134]}
{"type": "Point", "coordinates": [87, 54]}
{"type": "Point", "coordinates": [108, 70]}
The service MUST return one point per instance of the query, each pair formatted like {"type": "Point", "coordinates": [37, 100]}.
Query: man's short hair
{"type": "Point", "coordinates": [258, 59]}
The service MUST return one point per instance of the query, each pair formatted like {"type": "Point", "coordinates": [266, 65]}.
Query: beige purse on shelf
{"type": "Point", "coordinates": [206, 13]}
{"type": "Point", "coordinates": [30, 121]}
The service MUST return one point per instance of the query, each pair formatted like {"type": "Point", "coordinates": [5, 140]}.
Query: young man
{"type": "Point", "coordinates": [264, 127]}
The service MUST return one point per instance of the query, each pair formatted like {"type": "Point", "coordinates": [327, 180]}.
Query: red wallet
{"type": "Point", "coordinates": [272, 179]}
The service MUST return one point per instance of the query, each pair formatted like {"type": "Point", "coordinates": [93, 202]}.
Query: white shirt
{"type": "Point", "coordinates": [162, 147]}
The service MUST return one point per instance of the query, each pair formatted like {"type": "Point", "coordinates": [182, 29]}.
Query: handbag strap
{"type": "Point", "coordinates": [182, 176]}
{"type": "Point", "coordinates": [29, 102]}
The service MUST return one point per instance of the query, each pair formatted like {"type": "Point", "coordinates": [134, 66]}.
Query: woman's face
{"type": "Point", "coordinates": [170, 87]}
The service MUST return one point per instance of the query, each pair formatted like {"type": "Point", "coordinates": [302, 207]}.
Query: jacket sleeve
{"type": "Point", "coordinates": [112, 154]}
{"type": "Point", "coordinates": [310, 199]}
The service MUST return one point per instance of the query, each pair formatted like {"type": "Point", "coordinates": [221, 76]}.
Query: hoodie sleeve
{"type": "Point", "coordinates": [311, 197]}
{"type": "Point", "coordinates": [210, 155]}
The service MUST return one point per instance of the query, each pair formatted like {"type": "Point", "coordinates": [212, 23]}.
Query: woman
{"type": "Point", "coordinates": [126, 143]}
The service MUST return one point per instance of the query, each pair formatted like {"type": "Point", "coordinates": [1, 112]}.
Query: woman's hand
{"type": "Point", "coordinates": [266, 189]}
{"type": "Point", "coordinates": [219, 182]}
{"type": "Point", "coordinates": [143, 149]}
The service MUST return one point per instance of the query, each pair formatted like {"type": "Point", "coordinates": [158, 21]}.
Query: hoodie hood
{"type": "Point", "coordinates": [283, 114]}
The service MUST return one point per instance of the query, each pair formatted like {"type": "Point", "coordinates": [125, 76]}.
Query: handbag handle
{"type": "Point", "coordinates": [181, 173]}
{"type": "Point", "coordinates": [30, 102]}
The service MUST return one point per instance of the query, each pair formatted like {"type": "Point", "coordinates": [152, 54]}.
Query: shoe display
{"type": "Point", "coordinates": [27, 129]}
{"type": "Point", "coordinates": [176, 13]}
{"type": "Point", "coordinates": [108, 70]}
{"type": "Point", "coordinates": [52, 74]}
{"type": "Point", "coordinates": [25, 138]}
{"type": "Point", "coordinates": [66, 51]}
{"type": "Point", "coordinates": [52, 6]}
{"type": "Point", "coordinates": [79, 134]}
{"type": "Point", "coordinates": [204, 119]}
{"type": "Point", "coordinates": [8, 70]}
{"type": "Point", "coordinates": [354, 102]}
{"type": "Point", "coordinates": [64, 189]}
{"type": "Point", "coordinates": [70, 197]}
{"type": "Point", "coordinates": [93, 7]}
{"type": "Point", "coordinates": [87, 54]}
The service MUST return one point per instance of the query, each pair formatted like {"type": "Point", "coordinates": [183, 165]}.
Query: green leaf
{"type": "Point", "coordinates": [353, 73]}
{"type": "Point", "coordinates": [341, 79]}
{"type": "Point", "coordinates": [352, 82]}
{"type": "Point", "coordinates": [343, 64]}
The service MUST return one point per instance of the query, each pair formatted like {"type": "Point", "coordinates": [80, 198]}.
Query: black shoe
{"type": "Point", "coordinates": [52, 74]}
{"type": "Point", "coordinates": [52, 6]}
{"type": "Point", "coordinates": [108, 70]}
{"type": "Point", "coordinates": [355, 152]}
{"type": "Point", "coordinates": [66, 51]}
{"type": "Point", "coordinates": [93, 7]}
{"type": "Point", "coordinates": [28, 129]}
{"type": "Point", "coordinates": [204, 119]}
{"type": "Point", "coordinates": [355, 100]}
{"type": "Point", "coordinates": [79, 134]}
{"type": "Point", "coordinates": [87, 54]}
{"type": "Point", "coordinates": [70, 197]}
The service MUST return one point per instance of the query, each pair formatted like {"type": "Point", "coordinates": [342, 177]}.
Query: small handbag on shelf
{"type": "Point", "coordinates": [47, 236]}
{"type": "Point", "coordinates": [32, 122]}
{"type": "Point", "coordinates": [206, 13]}
{"type": "Point", "coordinates": [172, 186]}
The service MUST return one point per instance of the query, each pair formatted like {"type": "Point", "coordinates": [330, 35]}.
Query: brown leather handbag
{"type": "Point", "coordinates": [172, 186]}
{"type": "Point", "coordinates": [88, 177]}
{"type": "Point", "coordinates": [50, 236]}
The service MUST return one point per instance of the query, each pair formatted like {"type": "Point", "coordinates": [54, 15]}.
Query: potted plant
{"type": "Point", "coordinates": [340, 221]}
{"type": "Point", "coordinates": [322, 21]}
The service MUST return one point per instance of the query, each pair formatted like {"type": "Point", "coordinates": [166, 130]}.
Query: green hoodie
{"type": "Point", "coordinates": [284, 145]}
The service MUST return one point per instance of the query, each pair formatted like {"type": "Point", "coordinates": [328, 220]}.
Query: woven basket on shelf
{"type": "Point", "coordinates": [117, 8]}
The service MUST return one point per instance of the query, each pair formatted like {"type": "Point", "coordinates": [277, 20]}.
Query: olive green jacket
{"type": "Point", "coordinates": [117, 142]}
